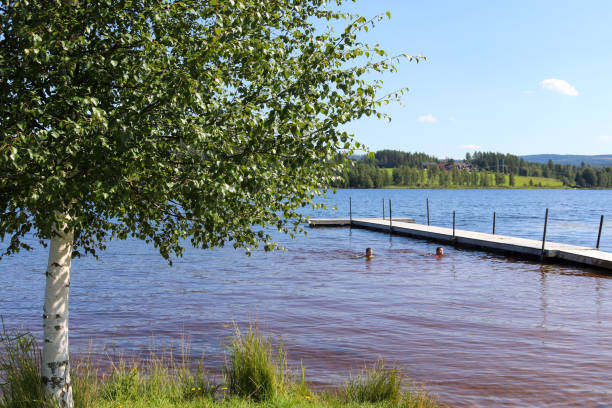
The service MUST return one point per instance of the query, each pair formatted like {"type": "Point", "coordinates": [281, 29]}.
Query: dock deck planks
{"type": "Point", "coordinates": [345, 222]}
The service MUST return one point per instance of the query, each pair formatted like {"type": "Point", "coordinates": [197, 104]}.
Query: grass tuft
{"type": "Point", "coordinates": [253, 371]}
{"type": "Point", "coordinates": [20, 378]}
{"type": "Point", "coordinates": [123, 384]}
{"type": "Point", "coordinates": [160, 377]}
{"type": "Point", "coordinates": [382, 386]}
{"type": "Point", "coordinates": [374, 384]}
{"type": "Point", "coordinates": [86, 384]}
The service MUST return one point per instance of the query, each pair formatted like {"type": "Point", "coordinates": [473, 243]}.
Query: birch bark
{"type": "Point", "coordinates": [55, 368]}
{"type": "Point", "coordinates": [55, 359]}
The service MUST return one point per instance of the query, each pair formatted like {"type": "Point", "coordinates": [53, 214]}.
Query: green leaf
{"type": "Point", "coordinates": [205, 120]}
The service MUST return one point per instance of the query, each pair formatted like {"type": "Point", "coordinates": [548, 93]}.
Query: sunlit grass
{"type": "Point", "coordinates": [20, 379]}
{"type": "Point", "coordinates": [519, 182]}
{"type": "Point", "coordinates": [255, 370]}
{"type": "Point", "coordinates": [375, 384]}
{"type": "Point", "coordinates": [524, 181]}
{"type": "Point", "coordinates": [256, 375]}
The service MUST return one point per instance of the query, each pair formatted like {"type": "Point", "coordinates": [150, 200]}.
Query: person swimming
{"type": "Point", "coordinates": [439, 253]}
{"type": "Point", "coordinates": [369, 254]}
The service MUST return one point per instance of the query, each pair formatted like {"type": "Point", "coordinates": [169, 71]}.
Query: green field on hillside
{"type": "Point", "coordinates": [523, 181]}
{"type": "Point", "coordinates": [519, 182]}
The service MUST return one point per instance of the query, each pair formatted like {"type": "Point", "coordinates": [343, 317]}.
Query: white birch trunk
{"type": "Point", "coordinates": [55, 359]}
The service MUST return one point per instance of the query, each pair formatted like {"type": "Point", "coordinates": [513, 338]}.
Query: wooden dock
{"type": "Point", "coordinates": [345, 222]}
{"type": "Point", "coordinates": [552, 252]}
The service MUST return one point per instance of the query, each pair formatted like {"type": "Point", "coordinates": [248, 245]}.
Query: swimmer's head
{"type": "Point", "coordinates": [439, 251]}
{"type": "Point", "coordinates": [369, 252]}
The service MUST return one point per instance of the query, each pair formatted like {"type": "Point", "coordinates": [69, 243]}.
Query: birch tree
{"type": "Point", "coordinates": [200, 121]}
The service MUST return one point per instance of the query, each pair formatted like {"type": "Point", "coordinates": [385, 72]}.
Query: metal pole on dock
{"type": "Point", "coordinates": [599, 234]}
{"type": "Point", "coordinates": [428, 211]}
{"type": "Point", "coordinates": [544, 236]}
{"type": "Point", "coordinates": [351, 210]}
{"type": "Point", "coordinates": [390, 218]}
{"type": "Point", "coordinates": [454, 217]}
{"type": "Point", "coordinates": [383, 201]}
{"type": "Point", "coordinates": [493, 222]}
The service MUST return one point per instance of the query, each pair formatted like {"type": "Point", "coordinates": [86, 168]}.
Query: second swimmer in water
{"type": "Point", "coordinates": [439, 253]}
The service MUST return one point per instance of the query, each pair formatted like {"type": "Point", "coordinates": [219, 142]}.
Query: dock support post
{"type": "Point", "coordinates": [390, 219]}
{"type": "Point", "coordinates": [427, 210]}
{"type": "Point", "coordinates": [454, 217]}
{"type": "Point", "coordinates": [350, 211]}
{"type": "Point", "coordinates": [544, 236]}
{"type": "Point", "coordinates": [493, 222]}
{"type": "Point", "coordinates": [383, 201]}
{"type": "Point", "coordinates": [599, 234]}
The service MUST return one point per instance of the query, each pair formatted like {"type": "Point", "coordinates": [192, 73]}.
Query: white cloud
{"type": "Point", "coordinates": [427, 119]}
{"type": "Point", "coordinates": [452, 118]}
{"type": "Point", "coordinates": [606, 138]}
{"type": "Point", "coordinates": [559, 86]}
{"type": "Point", "coordinates": [470, 147]}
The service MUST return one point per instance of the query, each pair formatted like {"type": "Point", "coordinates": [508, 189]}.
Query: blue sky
{"type": "Point", "coordinates": [521, 77]}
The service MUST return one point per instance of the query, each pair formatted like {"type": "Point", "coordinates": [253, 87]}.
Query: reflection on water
{"type": "Point", "coordinates": [478, 329]}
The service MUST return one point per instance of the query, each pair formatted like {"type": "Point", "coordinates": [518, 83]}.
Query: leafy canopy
{"type": "Point", "coordinates": [171, 120]}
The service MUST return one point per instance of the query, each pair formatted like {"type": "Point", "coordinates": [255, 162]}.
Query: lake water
{"type": "Point", "coordinates": [477, 329]}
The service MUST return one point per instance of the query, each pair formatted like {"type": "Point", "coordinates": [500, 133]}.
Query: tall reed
{"type": "Point", "coordinates": [384, 386]}
{"type": "Point", "coordinates": [255, 374]}
{"type": "Point", "coordinates": [253, 370]}
{"type": "Point", "coordinates": [20, 379]}
{"type": "Point", "coordinates": [374, 384]}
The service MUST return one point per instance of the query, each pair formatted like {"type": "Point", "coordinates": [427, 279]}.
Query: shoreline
{"type": "Point", "coordinates": [256, 373]}
{"type": "Point", "coordinates": [473, 188]}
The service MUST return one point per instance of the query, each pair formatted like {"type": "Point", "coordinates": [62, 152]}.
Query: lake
{"type": "Point", "coordinates": [477, 329]}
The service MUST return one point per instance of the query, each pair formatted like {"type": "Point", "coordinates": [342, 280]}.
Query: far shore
{"type": "Point", "coordinates": [473, 188]}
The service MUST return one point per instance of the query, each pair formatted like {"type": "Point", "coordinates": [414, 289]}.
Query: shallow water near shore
{"type": "Point", "coordinates": [477, 329]}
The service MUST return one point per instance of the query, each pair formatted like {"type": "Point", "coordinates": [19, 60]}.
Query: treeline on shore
{"type": "Point", "coordinates": [480, 169]}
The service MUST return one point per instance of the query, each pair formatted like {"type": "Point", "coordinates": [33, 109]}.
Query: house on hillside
{"type": "Point", "coordinates": [460, 165]}
{"type": "Point", "coordinates": [463, 166]}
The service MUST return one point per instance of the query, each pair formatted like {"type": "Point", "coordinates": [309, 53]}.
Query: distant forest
{"type": "Point", "coordinates": [595, 161]}
{"type": "Point", "coordinates": [480, 169]}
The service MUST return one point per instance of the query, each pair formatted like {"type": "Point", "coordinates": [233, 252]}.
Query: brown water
{"type": "Point", "coordinates": [478, 330]}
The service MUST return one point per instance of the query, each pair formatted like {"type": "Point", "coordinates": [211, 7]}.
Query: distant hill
{"type": "Point", "coordinates": [601, 160]}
